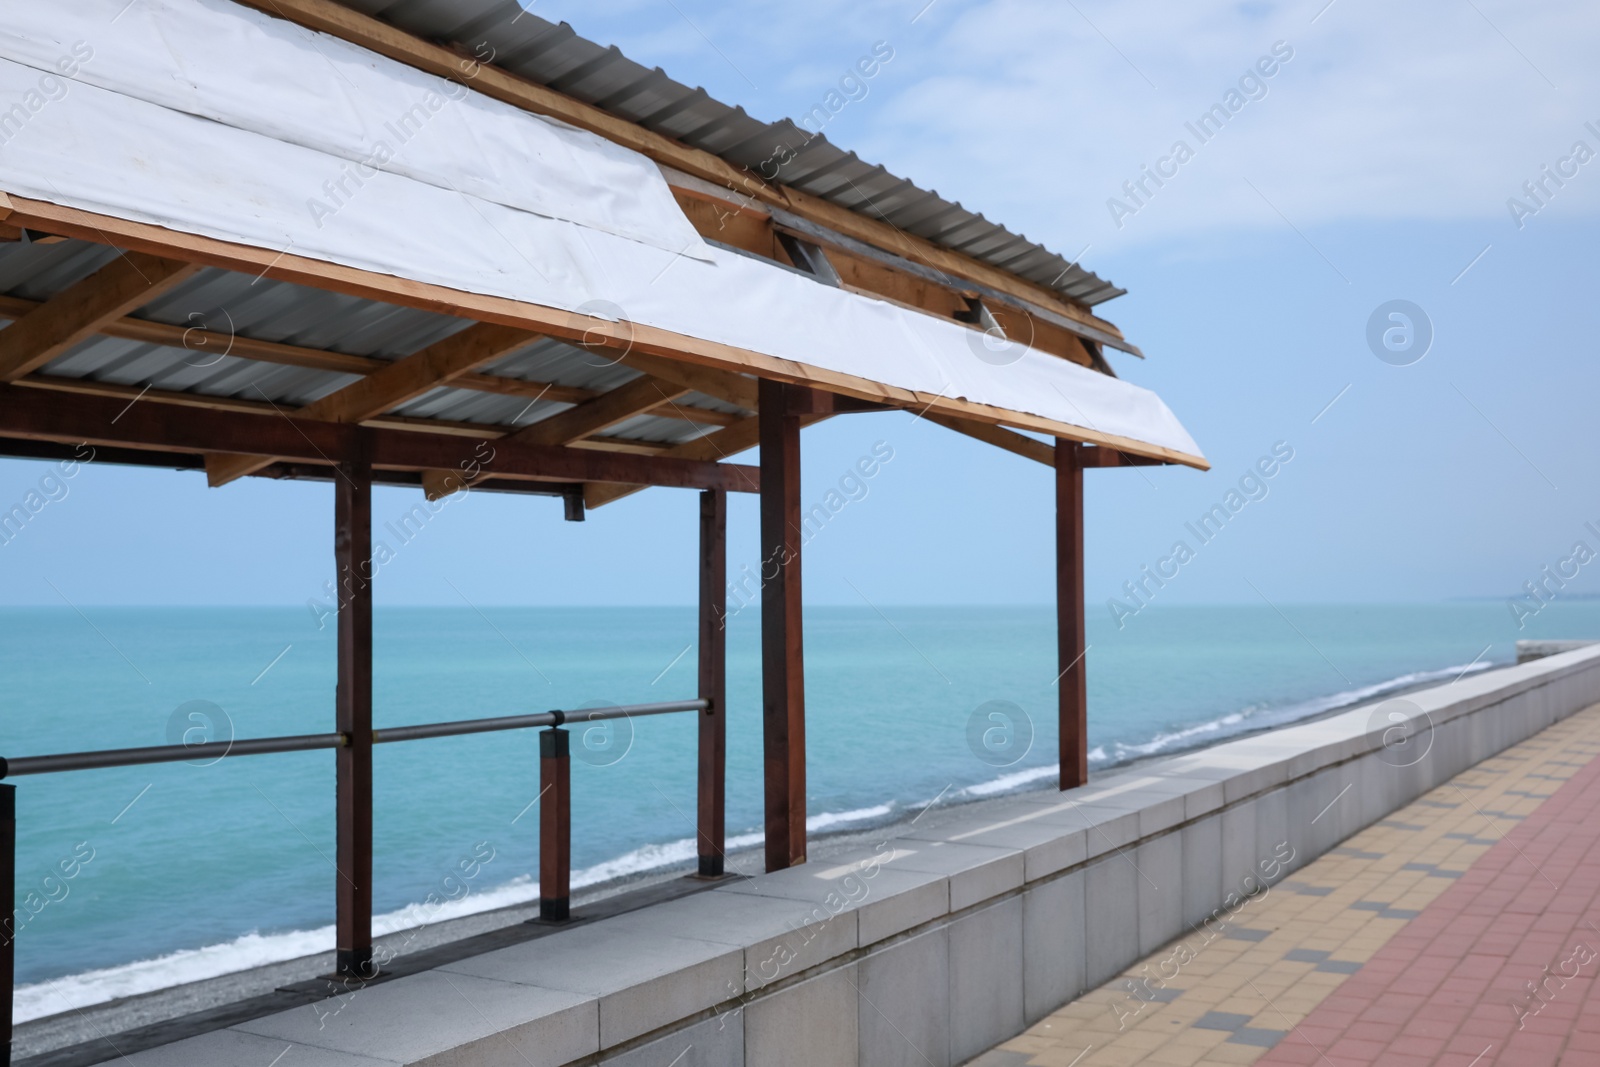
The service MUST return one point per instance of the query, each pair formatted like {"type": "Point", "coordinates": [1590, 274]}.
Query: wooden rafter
{"type": "Point", "coordinates": [999, 436]}
{"type": "Point", "coordinates": [884, 275]}
{"type": "Point", "coordinates": [78, 312]}
{"type": "Point", "coordinates": [601, 413]}
{"type": "Point", "coordinates": [480, 431]}
{"type": "Point", "coordinates": [113, 422]}
{"type": "Point", "coordinates": [212, 344]}
{"type": "Point", "coordinates": [1091, 456]}
{"type": "Point", "coordinates": [734, 389]}
{"type": "Point", "coordinates": [715, 447]}
{"type": "Point", "coordinates": [404, 379]}
{"type": "Point", "coordinates": [577, 423]}
{"type": "Point", "coordinates": [216, 343]}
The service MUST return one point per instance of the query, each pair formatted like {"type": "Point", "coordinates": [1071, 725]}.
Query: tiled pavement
{"type": "Point", "coordinates": [1414, 943]}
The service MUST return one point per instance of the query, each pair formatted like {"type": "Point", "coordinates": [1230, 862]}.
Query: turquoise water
{"type": "Point", "coordinates": [198, 870]}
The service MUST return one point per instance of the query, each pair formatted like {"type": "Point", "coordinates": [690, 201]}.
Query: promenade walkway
{"type": "Point", "coordinates": [1462, 931]}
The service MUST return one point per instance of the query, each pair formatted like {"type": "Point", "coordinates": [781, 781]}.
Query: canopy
{"type": "Point", "coordinates": [209, 118]}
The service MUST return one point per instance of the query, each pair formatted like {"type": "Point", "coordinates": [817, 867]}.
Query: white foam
{"type": "Point", "coordinates": [1008, 783]}
{"type": "Point", "coordinates": [1255, 717]}
{"type": "Point", "coordinates": [256, 950]}
{"type": "Point", "coordinates": [252, 950]}
{"type": "Point", "coordinates": [836, 819]}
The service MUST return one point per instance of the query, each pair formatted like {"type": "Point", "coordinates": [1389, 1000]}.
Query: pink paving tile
{"type": "Point", "coordinates": [1367, 1030]}
{"type": "Point", "coordinates": [1350, 1048]}
{"type": "Point", "coordinates": [1409, 1045]}
{"type": "Point", "coordinates": [1392, 1058]}
{"type": "Point", "coordinates": [1580, 1041]}
{"type": "Point", "coordinates": [1469, 956]}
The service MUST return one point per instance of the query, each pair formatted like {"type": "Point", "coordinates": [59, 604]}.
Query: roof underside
{"type": "Point", "coordinates": [554, 55]}
{"type": "Point", "coordinates": [234, 304]}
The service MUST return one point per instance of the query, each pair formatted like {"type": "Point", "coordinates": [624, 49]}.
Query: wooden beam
{"type": "Point", "coordinates": [75, 418]}
{"type": "Point", "coordinates": [727, 220]}
{"type": "Point", "coordinates": [623, 444]}
{"type": "Point", "coordinates": [888, 276]}
{"type": "Point", "coordinates": [783, 685]}
{"type": "Point", "coordinates": [386, 39]}
{"type": "Point", "coordinates": [733, 388]}
{"type": "Point", "coordinates": [515, 387]}
{"type": "Point", "coordinates": [821, 402]}
{"type": "Point", "coordinates": [352, 551]}
{"type": "Point", "coordinates": [214, 344]}
{"type": "Point", "coordinates": [601, 413]}
{"type": "Point", "coordinates": [713, 681]}
{"type": "Point", "coordinates": [509, 459]}
{"type": "Point", "coordinates": [1071, 633]}
{"type": "Point", "coordinates": [1093, 456]}
{"type": "Point", "coordinates": [477, 431]}
{"type": "Point", "coordinates": [404, 379]}
{"type": "Point", "coordinates": [479, 382]}
{"type": "Point", "coordinates": [78, 312]}
{"type": "Point", "coordinates": [210, 402]}
{"type": "Point", "coordinates": [419, 373]}
{"type": "Point", "coordinates": [575, 424]}
{"type": "Point", "coordinates": [1001, 437]}
{"type": "Point", "coordinates": [713, 447]}
{"type": "Point", "coordinates": [1068, 318]}
{"type": "Point", "coordinates": [88, 226]}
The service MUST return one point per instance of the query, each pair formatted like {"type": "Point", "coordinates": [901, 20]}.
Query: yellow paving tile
{"type": "Point", "coordinates": [1252, 978]}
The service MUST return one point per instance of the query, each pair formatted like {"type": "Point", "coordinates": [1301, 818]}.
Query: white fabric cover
{"type": "Point", "coordinates": [245, 170]}
{"type": "Point", "coordinates": [237, 66]}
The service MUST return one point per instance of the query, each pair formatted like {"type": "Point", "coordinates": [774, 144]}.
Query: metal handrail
{"type": "Point", "coordinates": [133, 757]}
{"type": "Point", "coordinates": [518, 722]}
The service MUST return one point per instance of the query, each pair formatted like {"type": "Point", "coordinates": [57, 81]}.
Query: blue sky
{"type": "Point", "coordinates": [1375, 164]}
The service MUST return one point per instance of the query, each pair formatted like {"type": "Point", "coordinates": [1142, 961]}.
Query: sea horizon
{"type": "Point", "coordinates": [228, 862]}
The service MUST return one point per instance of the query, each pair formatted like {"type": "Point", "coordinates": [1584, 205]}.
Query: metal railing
{"type": "Point", "coordinates": [554, 799]}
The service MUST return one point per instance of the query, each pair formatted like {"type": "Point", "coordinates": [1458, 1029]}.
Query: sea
{"type": "Point", "coordinates": [135, 879]}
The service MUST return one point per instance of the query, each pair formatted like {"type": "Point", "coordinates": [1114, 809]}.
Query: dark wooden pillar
{"type": "Point", "coordinates": [8, 912]}
{"type": "Point", "coordinates": [713, 677]}
{"type": "Point", "coordinates": [783, 686]}
{"type": "Point", "coordinates": [352, 547]}
{"type": "Point", "coordinates": [1071, 638]}
{"type": "Point", "coordinates": [555, 825]}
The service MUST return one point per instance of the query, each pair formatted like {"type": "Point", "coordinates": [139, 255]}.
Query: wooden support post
{"type": "Point", "coordinates": [352, 547]}
{"type": "Point", "coordinates": [555, 825]}
{"type": "Point", "coordinates": [713, 677]}
{"type": "Point", "coordinates": [783, 684]}
{"type": "Point", "coordinates": [8, 913]}
{"type": "Point", "coordinates": [1071, 639]}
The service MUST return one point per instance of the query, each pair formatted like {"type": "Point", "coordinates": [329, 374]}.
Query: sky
{"type": "Point", "coordinates": [1383, 159]}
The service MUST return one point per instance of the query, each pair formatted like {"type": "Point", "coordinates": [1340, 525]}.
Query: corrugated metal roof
{"type": "Point", "coordinates": [263, 309]}
{"type": "Point", "coordinates": [554, 55]}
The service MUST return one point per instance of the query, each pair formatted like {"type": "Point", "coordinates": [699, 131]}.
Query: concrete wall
{"type": "Point", "coordinates": [933, 945]}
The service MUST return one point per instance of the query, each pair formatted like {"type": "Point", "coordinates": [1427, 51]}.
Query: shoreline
{"type": "Point", "coordinates": [82, 1023]}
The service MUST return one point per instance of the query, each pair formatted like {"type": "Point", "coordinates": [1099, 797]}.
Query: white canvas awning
{"type": "Point", "coordinates": [208, 118]}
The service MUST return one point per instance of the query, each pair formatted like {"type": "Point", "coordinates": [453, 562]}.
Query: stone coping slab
{"type": "Point", "coordinates": [763, 948]}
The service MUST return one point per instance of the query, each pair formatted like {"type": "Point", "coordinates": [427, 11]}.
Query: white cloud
{"type": "Point", "coordinates": [1035, 112]}
{"type": "Point", "coordinates": [1385, 111]}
